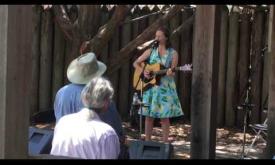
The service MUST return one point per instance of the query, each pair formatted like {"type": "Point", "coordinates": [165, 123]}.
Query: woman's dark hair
{"type": "Point", "coordinates": [166, 32]}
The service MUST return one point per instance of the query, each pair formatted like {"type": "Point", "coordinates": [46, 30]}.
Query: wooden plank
{"type": "Point", "coordinates": [185, 57]}
{"type": "Point", "coordinates": [270, 149]}
{"type": "Point", "coordinates": [204, 81]}
{"type": "Point", "coordinates": [35, 59]}
{"type": "Point", "coordinates": [256, 63]}
{"type": "Point", "coordinates": [222, 66]}
{"type": "Point", "coordinates": [125, 82]}
{"type": "Point", "coordinates": [16, 33]}
{"type": "Point", "coordinates": [243, 64]}
{"type": "Point", "coordinates": [233, 43]}
{"type": "Point", "coordinates": [45, 73]}
{"type": "Point", "coordinates": [58, 60]}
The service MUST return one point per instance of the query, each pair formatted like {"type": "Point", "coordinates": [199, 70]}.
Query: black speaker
{"type": "Point", "coordinates": [40, 141]}
{"type": "Point", "coordinates": [150, 150]}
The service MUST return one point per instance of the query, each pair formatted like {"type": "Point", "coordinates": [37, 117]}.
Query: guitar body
{"type": "Point", "coordinates": [137, 82]}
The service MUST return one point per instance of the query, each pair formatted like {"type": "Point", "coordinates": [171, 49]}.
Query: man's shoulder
{"type": "Point", "coordinates": [70, 87]}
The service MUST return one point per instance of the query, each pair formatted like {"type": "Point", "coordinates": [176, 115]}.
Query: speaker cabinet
{"type": "Point", "coordinates": [40, 141]}
{"type": "Point", "coordinates": [150, 150]}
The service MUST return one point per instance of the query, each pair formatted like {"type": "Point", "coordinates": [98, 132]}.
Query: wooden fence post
{"type": "Point", "coordinates": [16, 30]}
{"type": "Point", "coordinates": [233, 43]}
{"type": "Point", "coordinates": [45, 74]}
{"type": "Point", "coordinates": [270, 150]}
{"type": "Point", "coordinates": [256, 65]}
{"type": "Point", "coordinates": [205, 81]}
{"type": "Point", "coordinates": [243, 64]}
{"type": "Point", "coordinates": [222, 66]}
{"type": "Point", "coordinates": [37, 10]}
{"type": "Point", "coordinates": [125, 81]}
{"type": "Point", "coordinates": [185, 57]}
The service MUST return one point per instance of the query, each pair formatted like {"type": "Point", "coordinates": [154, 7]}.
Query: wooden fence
{"type": "Point", "coordinates": [243, 37]}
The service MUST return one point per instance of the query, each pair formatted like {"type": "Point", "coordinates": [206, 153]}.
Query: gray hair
{"type": "Point", "coordinates": [96, 92]}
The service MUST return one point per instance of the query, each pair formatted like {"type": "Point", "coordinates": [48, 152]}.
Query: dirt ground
{"type": "Point", "coordinates": [228, 144]}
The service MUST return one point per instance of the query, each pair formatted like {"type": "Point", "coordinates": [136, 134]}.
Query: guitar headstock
{"type": "Point", "coordinates": [186, 67]}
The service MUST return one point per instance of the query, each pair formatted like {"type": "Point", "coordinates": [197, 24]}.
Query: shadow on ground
{"type": "Point", "coordinates": [228, 144]}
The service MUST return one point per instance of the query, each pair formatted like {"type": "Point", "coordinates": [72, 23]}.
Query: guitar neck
{"type": "Point", "coordinates": [163, 71]}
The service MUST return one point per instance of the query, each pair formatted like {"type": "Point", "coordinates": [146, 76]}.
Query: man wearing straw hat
{"type": "Point", "coordinates": [68, 98]}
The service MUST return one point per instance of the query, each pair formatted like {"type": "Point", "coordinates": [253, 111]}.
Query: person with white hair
{"type": "Point", "coordinates": [83, 134]}
{"type": "Point", "coordinates": [68, 98]}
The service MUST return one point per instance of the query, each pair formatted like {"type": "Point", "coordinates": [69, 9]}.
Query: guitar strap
{"type": "Point", "coordinates": [168, 62]}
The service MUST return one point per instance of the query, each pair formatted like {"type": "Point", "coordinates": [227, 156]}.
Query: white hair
{"type": "Point", "coordinates": [96, 92]}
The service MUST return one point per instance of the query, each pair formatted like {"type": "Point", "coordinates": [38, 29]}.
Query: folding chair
{"type": "Point", "coordinates": [261, 132]}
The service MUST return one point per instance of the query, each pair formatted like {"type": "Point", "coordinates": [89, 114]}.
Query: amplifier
{"type": "Point", "coordinates": [40, 141]}
{"type": "Point", "coordinates": [150, 150]}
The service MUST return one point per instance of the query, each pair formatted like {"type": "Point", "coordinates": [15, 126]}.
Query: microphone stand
{"type": "Point", "coordinates": [247, 106]}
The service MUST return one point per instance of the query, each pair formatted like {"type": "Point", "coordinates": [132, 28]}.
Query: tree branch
{"type": "Point", "coordinates": [88, 16]}
{"type": "Point", "coordinates": [105, 32]}
{"type": "Point", "coordinates": [63, 20]}
{"type": "Point", "coordinates": [123, 55]}
{"type": "Point", "coordinates": [188, 23]}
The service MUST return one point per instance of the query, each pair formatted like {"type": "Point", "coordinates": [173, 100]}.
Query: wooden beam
{"type": "Point", "coordinates": [205, 81]}
{"type": "Point", "coordinates": [15, 76]}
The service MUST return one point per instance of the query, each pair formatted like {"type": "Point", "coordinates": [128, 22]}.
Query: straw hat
{"type": "Point", "coordinates": [84, 68]}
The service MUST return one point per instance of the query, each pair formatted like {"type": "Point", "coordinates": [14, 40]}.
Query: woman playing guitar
{"type": "Point", "coordinates": [162, 97]}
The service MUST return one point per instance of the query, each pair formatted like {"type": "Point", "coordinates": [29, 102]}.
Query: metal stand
{"type": "Point", "coordinates": [247, 108]}
{"type": "Point", "coordinates": [139, 102]}
{"type": "Point", "coordinates": [140, 116]}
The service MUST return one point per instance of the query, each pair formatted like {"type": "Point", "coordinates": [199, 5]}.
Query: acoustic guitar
{"type": "Point", "coordinates": [155, 72]}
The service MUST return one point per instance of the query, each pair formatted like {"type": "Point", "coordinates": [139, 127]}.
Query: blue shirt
{"type": "Point", "coordinates": [68, 100]}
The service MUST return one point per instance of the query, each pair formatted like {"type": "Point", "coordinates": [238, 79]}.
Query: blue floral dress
{"type": "Point", "coordinates": [162, 99]}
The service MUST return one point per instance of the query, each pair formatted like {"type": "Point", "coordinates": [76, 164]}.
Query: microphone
{"type": "Point", "coordinates": [155, 44]}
